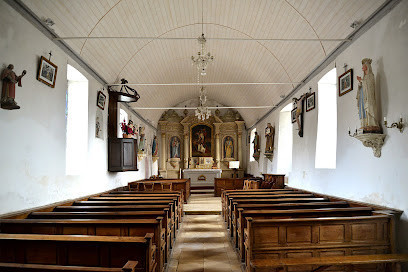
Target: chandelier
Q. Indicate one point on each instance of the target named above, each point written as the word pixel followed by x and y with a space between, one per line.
pixel 203 59
pixel 202 112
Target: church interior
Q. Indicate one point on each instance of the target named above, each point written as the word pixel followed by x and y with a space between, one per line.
pixel 204 135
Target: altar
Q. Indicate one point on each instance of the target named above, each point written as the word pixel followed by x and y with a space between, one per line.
pixel 202 177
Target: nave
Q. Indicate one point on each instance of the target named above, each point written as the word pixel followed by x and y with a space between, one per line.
pixel 202 243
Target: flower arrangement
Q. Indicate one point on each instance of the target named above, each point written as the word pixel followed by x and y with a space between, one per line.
pixel 128 129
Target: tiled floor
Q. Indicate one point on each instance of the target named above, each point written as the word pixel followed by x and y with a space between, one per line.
pixel 204 203
pixel 202 243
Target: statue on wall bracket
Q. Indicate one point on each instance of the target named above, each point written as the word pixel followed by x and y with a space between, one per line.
pixel 366 101
pixel 270 139
pixel 8 90
pixel 370 132
pixel 257 149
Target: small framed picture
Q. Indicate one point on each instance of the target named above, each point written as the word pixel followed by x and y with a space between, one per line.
pixel 47 72
pixel 346 82
pixel 293 115
pixel 310 102
pixel 100 101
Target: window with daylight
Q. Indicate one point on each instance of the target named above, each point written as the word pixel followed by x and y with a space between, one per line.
pixel 251 149
pixel 285 140
pixel 123 118
pixel 77 122
pixel 326 140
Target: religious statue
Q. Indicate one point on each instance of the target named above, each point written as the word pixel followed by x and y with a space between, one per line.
pixel 299 111
pixel 8 93
pixel 228 147
pixel 175 147
pixel 366 102
pixel 270 138
pixel 155 147
pixel 142 139
pixel 256 145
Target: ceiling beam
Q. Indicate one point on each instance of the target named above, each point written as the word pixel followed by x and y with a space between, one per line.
pixel 366 25
pixel 192 38
pixel 211 108
pixel 31 17
pixel 204 84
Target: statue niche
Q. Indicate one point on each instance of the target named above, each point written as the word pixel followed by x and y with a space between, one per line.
pixel 201 144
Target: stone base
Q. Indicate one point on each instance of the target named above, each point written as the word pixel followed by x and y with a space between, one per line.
pixel 373 140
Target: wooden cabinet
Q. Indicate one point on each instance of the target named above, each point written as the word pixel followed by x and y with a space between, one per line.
pixel 122 155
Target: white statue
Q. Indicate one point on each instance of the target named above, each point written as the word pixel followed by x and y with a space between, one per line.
pixel 366 102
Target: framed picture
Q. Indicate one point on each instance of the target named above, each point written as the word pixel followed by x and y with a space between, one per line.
pixel 346 82
pixel 310 102
pixel 47 72
pixel 293 115
pixel 100 101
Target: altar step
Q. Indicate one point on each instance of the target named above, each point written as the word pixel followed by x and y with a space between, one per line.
pixel 202 189
pixel 211 192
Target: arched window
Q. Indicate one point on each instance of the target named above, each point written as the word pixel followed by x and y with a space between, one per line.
pixel 251 149
pixel 285 140
pixel 77 122
pixel 326 140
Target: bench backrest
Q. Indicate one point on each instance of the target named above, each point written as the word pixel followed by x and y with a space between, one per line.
pixel 97 251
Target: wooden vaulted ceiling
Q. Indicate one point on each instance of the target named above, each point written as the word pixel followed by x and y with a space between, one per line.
pixel 169 60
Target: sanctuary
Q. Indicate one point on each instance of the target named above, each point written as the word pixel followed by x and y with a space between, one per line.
pixel 193 144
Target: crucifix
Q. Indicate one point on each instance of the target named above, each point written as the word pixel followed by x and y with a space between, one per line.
pixel 299 111
pixel 50 55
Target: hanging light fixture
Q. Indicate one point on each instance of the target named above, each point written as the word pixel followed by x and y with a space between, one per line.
pixel 202 112
pixel 203 59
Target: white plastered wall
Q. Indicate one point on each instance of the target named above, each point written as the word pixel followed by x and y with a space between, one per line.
pixel 359 175
pixel 32 139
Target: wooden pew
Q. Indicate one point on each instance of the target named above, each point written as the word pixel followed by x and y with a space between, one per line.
pixel 323 263
pixel 178 204
pixel 226 193
pixel 151 193
pixel 172 210
pixel 279 206
pixel 260 197
pixel 130 266
pixel 317 237
pixel 166 223
pixel 297 213
pixel 78 250
pixel 181 185
pixel 178 209
pixel 100 227
pixel 234 204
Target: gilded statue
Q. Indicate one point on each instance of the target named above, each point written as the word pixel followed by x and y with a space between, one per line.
pixel 366 101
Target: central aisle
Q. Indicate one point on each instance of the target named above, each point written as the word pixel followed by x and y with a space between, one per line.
pixel 202 243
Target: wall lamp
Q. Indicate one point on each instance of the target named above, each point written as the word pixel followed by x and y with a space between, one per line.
pixel 399 125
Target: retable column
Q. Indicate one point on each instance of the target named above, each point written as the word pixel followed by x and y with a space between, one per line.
pixel 163 151
pixel 217 145
pixel 240 125
pixel 186 147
